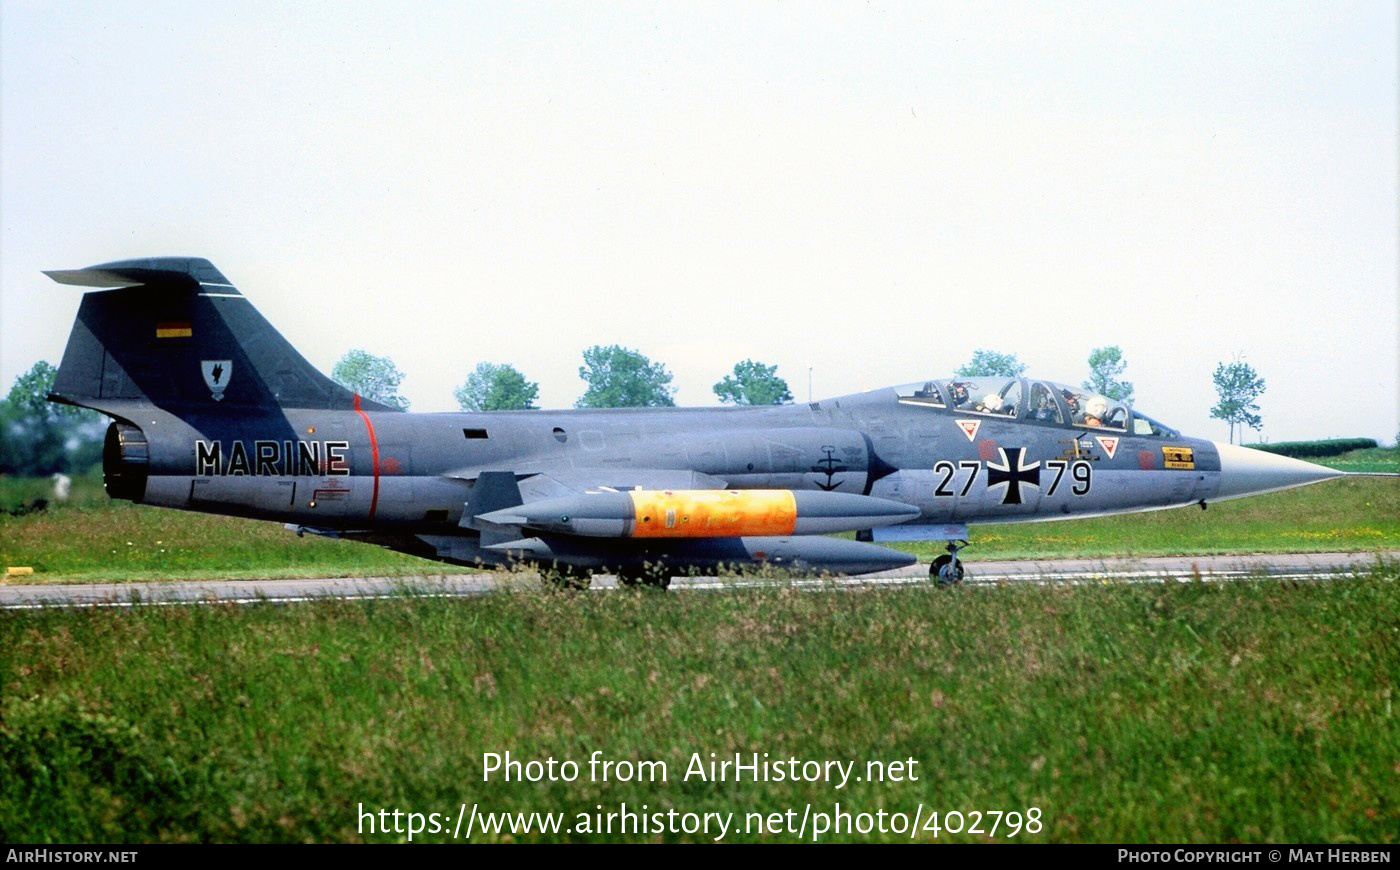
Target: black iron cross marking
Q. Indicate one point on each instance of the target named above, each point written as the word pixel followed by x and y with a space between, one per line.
pixel 1013 473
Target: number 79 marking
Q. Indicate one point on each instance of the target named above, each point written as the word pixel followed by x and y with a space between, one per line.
pixel 1080 471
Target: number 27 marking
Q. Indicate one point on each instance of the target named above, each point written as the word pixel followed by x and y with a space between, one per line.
pixel 948 470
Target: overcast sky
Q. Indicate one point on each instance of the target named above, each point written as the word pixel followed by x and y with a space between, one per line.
pixel 864 191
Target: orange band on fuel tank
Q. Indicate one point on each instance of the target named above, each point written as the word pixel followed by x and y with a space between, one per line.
pixel 707 513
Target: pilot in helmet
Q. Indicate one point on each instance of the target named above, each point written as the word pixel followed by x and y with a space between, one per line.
pixel 1094 411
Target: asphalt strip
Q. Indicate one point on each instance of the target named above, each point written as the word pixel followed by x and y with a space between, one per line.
pixel 1281 566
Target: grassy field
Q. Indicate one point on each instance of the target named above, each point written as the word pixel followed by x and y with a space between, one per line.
pixel 1376 459
pixel 95 539
pixel 1241 712
pixel 1251 711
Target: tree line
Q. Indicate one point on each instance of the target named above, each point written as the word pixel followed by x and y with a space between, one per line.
pixel 1237 384
pixel 38 437
pixel 616 377
pixel 619 377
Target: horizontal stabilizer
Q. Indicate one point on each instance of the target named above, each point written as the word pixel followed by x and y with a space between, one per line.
pixel 165 271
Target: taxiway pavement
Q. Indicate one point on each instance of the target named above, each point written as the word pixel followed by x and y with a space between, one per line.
pixel 1281 566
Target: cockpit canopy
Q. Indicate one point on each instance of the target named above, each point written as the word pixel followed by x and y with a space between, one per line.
pixel 1030 400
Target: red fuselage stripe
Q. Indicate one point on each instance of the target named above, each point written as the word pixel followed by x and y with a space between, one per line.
pixel 374 456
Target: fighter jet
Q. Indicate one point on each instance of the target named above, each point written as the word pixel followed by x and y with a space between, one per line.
pixel 213 410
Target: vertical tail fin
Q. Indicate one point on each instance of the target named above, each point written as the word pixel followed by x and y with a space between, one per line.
pixel 173 332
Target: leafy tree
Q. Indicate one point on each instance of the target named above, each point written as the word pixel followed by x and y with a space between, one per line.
pixel 29 446
pixel 29 394
pixel 497 387
pixel 618 377
pixel 374 377
pixel 39 437
pixel 989 363
pixel 1239 385
pixel 1105 365
pixel 753 383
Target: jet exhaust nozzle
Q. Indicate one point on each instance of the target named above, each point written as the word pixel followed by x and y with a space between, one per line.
pixel 126 462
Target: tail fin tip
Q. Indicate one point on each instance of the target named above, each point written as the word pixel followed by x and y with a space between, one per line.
pixel 180 271
pixel 174 333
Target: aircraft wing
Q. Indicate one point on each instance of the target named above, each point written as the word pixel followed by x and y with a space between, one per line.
pixel 556 484
pixel 629 517
pixel 662 503
pixel 496 491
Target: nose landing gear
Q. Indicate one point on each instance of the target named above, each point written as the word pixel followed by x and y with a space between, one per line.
pixel 947 570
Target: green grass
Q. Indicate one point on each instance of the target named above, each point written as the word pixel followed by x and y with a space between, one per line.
pixel 1376 459
pixel 1249 711
pixel 1151 713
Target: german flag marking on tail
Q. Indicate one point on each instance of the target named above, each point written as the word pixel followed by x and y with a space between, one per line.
pixel 174 330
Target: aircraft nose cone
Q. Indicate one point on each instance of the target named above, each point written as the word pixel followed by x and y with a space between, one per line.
pixel 1248 472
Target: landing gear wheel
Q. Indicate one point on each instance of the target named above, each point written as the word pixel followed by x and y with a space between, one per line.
pixel 569 578
pixel 943 573
pixel 947 570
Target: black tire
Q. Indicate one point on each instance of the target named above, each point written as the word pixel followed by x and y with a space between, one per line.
pixel 935 571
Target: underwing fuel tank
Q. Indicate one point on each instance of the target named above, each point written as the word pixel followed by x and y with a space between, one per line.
pixel 704 513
